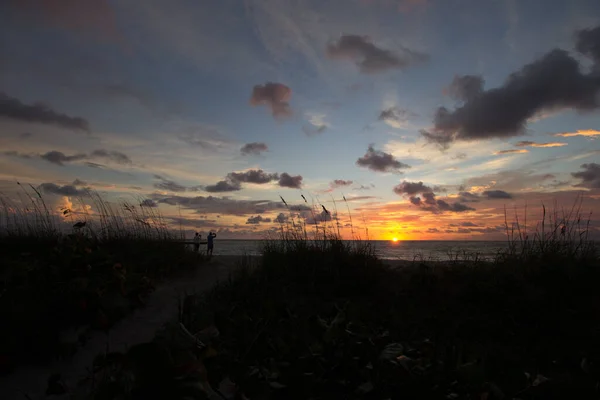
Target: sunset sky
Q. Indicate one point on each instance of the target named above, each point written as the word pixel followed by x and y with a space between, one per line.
pixel 429 116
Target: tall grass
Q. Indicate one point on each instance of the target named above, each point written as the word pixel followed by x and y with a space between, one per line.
pixel 31 217
pixel 561 235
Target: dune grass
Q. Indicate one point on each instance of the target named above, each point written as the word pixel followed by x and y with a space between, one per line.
pixel 81 269
pixel 320 318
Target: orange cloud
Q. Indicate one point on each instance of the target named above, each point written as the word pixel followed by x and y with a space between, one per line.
pixel 512 151
pixel 527 143
pixel 579 132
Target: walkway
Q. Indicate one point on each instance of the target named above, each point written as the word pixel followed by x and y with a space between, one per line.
pixel 141 326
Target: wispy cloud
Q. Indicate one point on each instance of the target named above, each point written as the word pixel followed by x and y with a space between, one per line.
pixel 511 151
pixel 370 58
pixel 579 132
pixel 13 108
pixel 527 143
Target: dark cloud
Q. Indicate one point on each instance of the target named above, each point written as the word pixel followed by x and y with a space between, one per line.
pixel 148 203
pixel 396 116
pixel 455 207
pixel 257 176
pixel 257 220
pixel 311 218
pixel 340 183
pixel 79 182
pixel 590 176
pixel 364 187
pixel 115 156
pixel 465 87
pixel 219 205
pixel 286 180
pixel 25 135
pixel 377 160
pixel 468 197
pixel 427 199
pixel 168 185
pixel 224 186
pixel 13 108
pixel 254 148
pixel 59 158
pixel 496 194
pixel 372 59
pixel 411 188
pixel 553 82
pixel 275 96
pixel 66 190
pixel 281 218
pixel 588 43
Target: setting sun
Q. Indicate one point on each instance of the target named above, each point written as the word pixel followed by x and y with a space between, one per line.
pixel 394 239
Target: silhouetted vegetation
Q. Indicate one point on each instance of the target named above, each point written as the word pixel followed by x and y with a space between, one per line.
pixel 321 318
pixel 82 270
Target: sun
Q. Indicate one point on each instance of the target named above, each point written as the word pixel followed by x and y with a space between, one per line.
pixel 394 239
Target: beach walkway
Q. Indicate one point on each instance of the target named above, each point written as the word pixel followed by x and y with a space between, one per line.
pixel 30 382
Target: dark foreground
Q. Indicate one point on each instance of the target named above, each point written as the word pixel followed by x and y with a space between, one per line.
pixel 333 322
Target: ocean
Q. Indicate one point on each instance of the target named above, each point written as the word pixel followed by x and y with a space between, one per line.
pixel 388 250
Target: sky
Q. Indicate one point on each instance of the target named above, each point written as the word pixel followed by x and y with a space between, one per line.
pixel 419 119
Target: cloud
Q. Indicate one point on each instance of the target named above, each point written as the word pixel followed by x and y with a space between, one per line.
pixel 411 188
pixel 168 185
pixel 205 137
pixel 579 132
pixel 59 158
pixel 465 87
pixel 372 59
pixel 427 200
pixel 254 148
pixel 337 183
pixel 314 130
pixel 311 219
pixel 78 182
pixel 275 96
pixel 468 197
pixel 281 218
pixel 496 194
pixel 219 205
pixel 286 180
pixel 257 220
pixel 511 151
pixel 318 124
pixel 13 108
pixel 377 160
pixel 115 156
pixel 66 190
pixel 590 176
pixel 257 176
pixel 527 143
pixel 396 117
pixel 551 83
pixel 95 17
pixel 148 203
pixel 223 186
pixel 588 43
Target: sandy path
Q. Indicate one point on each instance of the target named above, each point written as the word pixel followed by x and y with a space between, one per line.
pixel 140 327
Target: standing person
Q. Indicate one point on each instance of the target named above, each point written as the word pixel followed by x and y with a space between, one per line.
pixel 209 243
pixel 197 242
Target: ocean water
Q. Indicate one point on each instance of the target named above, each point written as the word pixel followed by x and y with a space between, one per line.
pixel 401 250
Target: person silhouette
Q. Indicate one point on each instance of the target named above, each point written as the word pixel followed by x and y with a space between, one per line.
pixel 197 242
pixel 210 243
